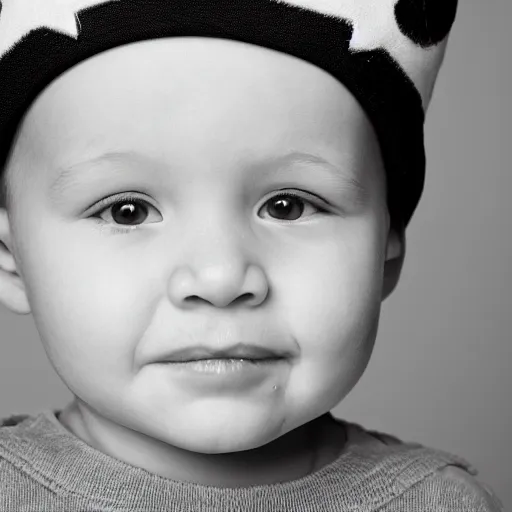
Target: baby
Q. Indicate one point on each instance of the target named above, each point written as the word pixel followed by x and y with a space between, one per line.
pixel 204 207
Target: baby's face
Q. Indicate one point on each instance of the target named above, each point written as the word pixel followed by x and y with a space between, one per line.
pixel 209 138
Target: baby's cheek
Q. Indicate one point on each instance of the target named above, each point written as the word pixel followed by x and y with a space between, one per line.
pixel 333 317
pixel 90 312
pixel 334 307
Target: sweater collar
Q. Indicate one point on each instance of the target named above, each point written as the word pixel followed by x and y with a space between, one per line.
pixel 74 467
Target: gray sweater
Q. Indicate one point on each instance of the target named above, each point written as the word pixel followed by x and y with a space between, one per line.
pixel 44 467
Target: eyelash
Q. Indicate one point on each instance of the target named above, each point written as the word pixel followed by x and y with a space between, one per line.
pixel 129 198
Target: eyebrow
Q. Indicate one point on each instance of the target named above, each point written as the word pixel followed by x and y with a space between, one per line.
pixel 72 174
pixel 340 178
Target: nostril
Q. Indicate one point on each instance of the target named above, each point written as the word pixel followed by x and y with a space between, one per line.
pixel 192 298
pixel 245 296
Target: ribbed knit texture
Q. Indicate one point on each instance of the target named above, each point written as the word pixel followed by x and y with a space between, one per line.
pixel 44 467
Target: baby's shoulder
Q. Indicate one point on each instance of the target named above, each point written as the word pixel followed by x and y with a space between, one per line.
pixel 466 485
pixel 450 488
pixel 422 478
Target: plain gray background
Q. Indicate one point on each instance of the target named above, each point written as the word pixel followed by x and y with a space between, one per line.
pixel 440 371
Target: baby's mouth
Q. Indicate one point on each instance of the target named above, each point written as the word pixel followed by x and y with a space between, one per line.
pixel 239 352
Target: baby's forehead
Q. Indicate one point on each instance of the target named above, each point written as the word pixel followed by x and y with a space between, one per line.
pixel 247 119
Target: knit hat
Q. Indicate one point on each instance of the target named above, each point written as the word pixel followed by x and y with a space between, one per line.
pixel 386 52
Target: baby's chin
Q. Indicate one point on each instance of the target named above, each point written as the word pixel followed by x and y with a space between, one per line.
pixel 222 429
pixel 206 430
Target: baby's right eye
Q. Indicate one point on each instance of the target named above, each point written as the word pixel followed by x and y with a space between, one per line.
pixel 127 210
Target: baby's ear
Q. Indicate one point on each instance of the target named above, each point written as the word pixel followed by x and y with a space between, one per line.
pixel 395 254
pixel 12 288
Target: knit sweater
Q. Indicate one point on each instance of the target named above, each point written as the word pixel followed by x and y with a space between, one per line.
pixel 44 467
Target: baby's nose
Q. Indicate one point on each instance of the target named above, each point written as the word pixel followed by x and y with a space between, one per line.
pixel 220 274
pixel 222 288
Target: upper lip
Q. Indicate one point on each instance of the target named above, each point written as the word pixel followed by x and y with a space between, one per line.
pixel 238 351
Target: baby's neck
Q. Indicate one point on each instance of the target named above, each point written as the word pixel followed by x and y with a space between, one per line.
pixel 291 457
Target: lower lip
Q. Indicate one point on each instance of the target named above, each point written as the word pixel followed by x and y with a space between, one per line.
pixel 227 373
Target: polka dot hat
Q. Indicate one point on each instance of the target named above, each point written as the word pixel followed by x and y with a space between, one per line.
pixel 386 52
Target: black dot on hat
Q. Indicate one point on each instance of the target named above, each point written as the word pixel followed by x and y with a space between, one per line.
pixel 426 22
